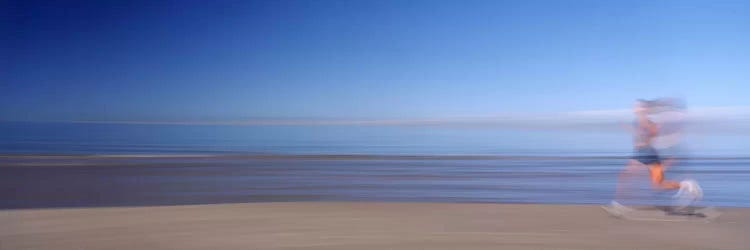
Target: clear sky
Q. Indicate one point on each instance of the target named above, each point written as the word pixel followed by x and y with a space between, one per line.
pixel 235 60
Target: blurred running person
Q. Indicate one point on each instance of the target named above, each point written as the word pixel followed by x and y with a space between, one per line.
pixel 645 156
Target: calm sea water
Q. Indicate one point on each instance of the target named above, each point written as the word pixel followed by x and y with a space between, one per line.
pixel 72 138
pixel 581 178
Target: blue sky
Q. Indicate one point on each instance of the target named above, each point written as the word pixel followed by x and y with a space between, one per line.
pixel 236 60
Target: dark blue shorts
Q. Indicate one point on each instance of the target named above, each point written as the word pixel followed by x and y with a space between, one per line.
pixel 646 156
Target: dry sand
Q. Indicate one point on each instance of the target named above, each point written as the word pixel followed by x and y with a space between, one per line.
pixel 299 225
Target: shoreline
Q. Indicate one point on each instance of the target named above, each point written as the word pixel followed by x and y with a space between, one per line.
pixel 353 225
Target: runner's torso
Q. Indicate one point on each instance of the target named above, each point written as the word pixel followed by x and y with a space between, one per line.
pixel 644 133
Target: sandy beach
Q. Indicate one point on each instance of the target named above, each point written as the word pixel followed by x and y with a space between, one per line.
pixel 342 225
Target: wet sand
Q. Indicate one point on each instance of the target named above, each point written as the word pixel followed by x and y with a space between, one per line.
pixel 342 225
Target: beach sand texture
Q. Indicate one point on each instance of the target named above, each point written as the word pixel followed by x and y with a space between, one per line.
pixel 366 225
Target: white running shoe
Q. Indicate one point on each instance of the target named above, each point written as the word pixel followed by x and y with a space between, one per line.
pixel 690 187
pixel 616 206
pixel 689 192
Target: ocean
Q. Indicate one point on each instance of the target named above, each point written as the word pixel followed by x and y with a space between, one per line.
pixel 86 164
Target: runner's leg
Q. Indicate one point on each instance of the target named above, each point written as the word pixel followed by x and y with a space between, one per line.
pixel 625 177
pixel 657 178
